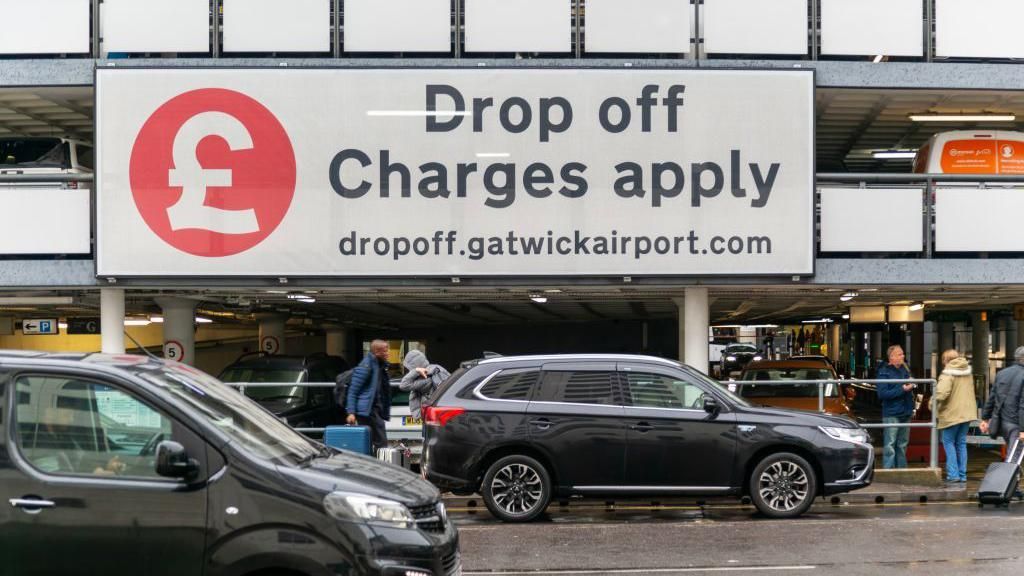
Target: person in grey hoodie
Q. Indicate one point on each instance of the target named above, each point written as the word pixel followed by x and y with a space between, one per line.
pixel 421 379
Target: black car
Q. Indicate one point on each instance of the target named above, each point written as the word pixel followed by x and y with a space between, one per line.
pixel 300 406
pixel 520 430
pixel 128 465
pixel 736 356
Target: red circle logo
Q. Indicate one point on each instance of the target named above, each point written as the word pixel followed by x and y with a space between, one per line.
pixel 212 172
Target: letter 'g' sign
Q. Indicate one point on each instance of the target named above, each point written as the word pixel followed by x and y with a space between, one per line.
pixel 212 172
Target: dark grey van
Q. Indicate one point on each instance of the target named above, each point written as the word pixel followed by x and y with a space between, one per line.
pixel 127 465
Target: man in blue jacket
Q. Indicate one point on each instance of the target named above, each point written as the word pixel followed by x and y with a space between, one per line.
pixel 369 394
pixel 897 408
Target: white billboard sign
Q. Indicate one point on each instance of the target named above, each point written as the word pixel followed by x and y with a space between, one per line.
pixel 454 172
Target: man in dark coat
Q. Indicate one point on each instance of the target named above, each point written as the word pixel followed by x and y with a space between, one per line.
pixel 897 408
pixel 1005 403
pixel 369 394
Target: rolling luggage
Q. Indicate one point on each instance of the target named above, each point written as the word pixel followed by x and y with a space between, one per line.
pixel 394 455
pixel 351 438
pixel 1001 479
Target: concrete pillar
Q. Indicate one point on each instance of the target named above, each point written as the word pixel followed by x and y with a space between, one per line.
pixel 947 339
pixel 1012 327
pixel 272 333
pixel 179 329
pixel 337 341
pixel 112 320
pixel 877 349
pixel 979 345
pixel 694 323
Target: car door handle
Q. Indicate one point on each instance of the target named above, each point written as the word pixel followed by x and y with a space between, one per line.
pixel 31 505
pixel 542 423
pixel 642 427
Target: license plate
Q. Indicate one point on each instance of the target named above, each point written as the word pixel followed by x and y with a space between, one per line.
pixel 410 421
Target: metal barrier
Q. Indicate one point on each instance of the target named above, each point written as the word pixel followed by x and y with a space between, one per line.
pixel 933 454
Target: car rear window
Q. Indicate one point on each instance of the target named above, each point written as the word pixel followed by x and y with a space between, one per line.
pixel 787 390
pixel 31 153
pixel 511 385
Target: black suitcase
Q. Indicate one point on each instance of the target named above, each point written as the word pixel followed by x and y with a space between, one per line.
pixel 1001 479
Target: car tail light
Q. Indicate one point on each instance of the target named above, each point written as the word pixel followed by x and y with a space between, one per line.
pixel 440 415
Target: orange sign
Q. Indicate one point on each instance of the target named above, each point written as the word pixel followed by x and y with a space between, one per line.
pixel 983 157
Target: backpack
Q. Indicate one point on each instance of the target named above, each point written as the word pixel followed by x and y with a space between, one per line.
pixel 341 389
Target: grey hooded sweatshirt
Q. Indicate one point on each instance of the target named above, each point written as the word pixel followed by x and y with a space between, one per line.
pixel 420 388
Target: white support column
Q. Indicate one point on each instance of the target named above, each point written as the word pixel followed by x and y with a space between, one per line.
pixel 272 333
pixel 694 323
pixel 179 329
pixel 112 320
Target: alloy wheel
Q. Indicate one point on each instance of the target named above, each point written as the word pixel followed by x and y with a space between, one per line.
pixel 783 486
pixel 517 489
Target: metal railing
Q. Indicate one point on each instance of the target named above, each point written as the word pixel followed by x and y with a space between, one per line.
pixel 933 453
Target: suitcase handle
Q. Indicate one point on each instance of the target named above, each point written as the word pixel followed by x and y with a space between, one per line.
pixel 1015 456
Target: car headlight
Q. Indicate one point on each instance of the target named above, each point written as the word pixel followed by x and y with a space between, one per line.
pixel 756 358
pixel 855 435
pixel 351 507
pixel 730 358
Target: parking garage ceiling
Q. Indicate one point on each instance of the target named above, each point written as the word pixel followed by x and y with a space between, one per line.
pixel 404 309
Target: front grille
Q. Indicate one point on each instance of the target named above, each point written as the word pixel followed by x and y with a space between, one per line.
pixel 428 517
pixel 450 564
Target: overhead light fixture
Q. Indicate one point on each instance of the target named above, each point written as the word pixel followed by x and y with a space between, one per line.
pixel 963 117
pixel 847 296
pixel 878 59
pixel 916 306
pixel 201 320
pixel 846 316
pixel 538 298
pixel 36 300
pixel 819 321
pixel 156 319
pixel 136 322
pixel 894 154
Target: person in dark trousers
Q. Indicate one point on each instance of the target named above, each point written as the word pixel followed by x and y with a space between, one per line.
pixel 1004 410
pixel 369 394
pixel 897 408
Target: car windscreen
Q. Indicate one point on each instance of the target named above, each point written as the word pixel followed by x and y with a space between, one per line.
pixel 740 348
pixel 786 390
pixel 258 374
pixel 32 153
pixel 244 421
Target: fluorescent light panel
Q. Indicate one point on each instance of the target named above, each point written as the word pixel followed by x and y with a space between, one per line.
pixel 895 154
pixel 963 117
pixel 35 300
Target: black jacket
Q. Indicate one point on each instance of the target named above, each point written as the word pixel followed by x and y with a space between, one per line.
pixel 1006 393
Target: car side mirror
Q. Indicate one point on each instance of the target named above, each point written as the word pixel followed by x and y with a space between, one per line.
pixel 711 405
pixel 173 462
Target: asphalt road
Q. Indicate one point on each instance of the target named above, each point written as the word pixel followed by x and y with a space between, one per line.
pixel 953 538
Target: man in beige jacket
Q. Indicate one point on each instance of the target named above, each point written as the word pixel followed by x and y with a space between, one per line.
pixel 954 400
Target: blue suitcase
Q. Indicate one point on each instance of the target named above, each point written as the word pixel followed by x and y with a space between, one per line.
pixel 351 438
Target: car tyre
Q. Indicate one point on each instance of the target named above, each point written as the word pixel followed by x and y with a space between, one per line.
pixel 783 485
pixel 516 488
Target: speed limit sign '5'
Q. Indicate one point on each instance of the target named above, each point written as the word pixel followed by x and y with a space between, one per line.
pixel 173 350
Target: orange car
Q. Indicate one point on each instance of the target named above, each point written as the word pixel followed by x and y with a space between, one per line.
pixel 796 396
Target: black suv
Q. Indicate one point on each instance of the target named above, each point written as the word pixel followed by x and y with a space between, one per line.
pixel 736 356
pixel 521 429
pixel 300 406
pixel 128 465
